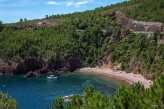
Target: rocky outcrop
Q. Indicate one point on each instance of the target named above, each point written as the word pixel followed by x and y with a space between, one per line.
pixel 31 64
pixel 73 63
pixel 6 68
pixel 160 41
pixel 136 25
pixel 33 73
pixel 63 69
pixel 45 24
pixel 37 66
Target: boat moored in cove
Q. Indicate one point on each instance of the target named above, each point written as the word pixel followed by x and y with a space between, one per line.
pixel 51 77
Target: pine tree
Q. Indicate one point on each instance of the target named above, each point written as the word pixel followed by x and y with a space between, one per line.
pixel 21 20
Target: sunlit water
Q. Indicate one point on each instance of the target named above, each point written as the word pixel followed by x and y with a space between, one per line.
pixel 39 93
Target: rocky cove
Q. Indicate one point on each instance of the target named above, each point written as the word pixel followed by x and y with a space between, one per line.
pixel 35 66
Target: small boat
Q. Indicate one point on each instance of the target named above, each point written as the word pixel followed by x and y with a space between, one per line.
pixel 51 77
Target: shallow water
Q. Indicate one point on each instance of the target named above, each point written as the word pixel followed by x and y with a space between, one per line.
pixel 39 93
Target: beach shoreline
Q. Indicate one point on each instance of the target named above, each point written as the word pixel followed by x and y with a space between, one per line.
pixel 129 78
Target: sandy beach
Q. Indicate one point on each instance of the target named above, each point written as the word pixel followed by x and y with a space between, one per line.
pixel 119 75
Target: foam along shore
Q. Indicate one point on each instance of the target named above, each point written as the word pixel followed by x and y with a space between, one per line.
pixel 120 75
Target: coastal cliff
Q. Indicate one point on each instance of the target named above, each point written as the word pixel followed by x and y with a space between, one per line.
pixel 37 66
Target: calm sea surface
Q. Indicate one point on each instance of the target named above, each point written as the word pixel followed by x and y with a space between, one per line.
pixel 39 93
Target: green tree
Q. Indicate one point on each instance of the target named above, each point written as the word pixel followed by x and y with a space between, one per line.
pixel 7 102
pixel 21 20
pixel 46 16
pixel 58 103
pixel 25 19
pixel 1 22
pixel 1 25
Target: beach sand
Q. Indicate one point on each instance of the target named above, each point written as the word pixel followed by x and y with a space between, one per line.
pixel 119 75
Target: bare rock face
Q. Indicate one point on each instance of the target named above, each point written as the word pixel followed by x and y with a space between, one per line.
pixel 160 41
pixel 2 66
pixel 45 24
pixel 31 64
pixel 136 25
pixel 33 74
pixel 73 63
pixel 70 64
pixel 36 66
pixel 5 68
pixel 2 63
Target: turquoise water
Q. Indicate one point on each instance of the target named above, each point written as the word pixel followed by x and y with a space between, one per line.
pixel 39 93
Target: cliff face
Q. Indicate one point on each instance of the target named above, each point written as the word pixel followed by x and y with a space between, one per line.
pixel 37 66
pixel 31 64
pixel 73 63
pixel 6 68
pixel 136 25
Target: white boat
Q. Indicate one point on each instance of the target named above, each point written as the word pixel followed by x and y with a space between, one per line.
pixel 51 77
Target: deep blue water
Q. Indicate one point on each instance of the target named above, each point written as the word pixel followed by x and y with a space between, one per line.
pixel 39 93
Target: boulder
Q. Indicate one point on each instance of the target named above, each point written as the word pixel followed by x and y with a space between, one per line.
pixel 33 74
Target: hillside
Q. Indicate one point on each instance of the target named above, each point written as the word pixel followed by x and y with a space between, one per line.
pixel 141 10
pixel 127 36
pixel 147 10
pixel 91 37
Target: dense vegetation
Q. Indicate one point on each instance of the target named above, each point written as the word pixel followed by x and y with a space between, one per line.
pixel 84 36
pixel 147 10
pixel 139 54
pixel 87 35
pixel 7 103
pixel 134 97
